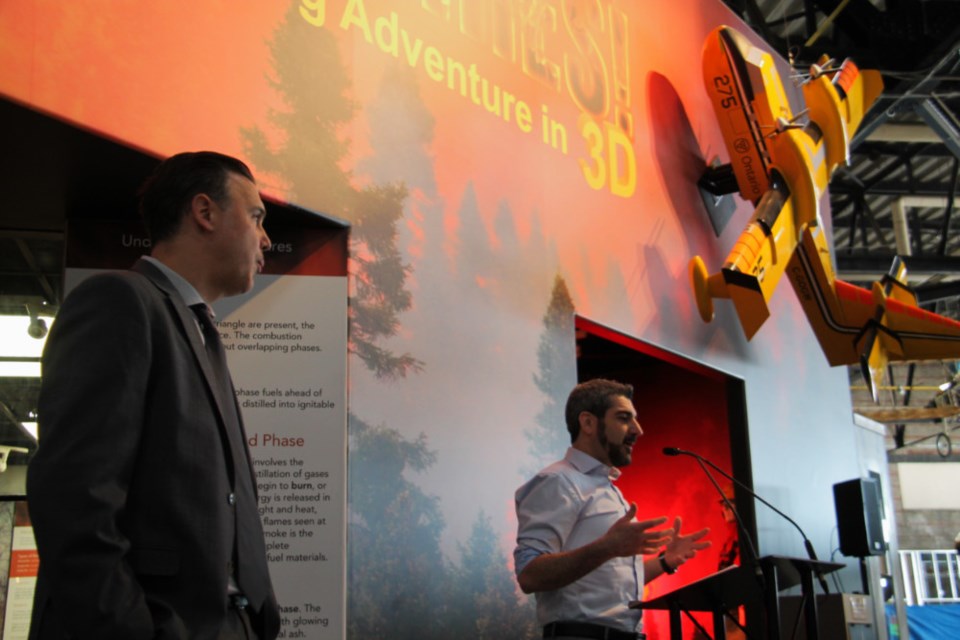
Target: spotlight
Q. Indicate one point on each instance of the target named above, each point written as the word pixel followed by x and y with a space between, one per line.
pixel 38 326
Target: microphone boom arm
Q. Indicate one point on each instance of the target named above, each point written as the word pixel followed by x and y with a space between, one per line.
pixel 811 552
pixel 736 514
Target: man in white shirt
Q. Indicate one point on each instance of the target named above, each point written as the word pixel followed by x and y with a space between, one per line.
pixel 579 547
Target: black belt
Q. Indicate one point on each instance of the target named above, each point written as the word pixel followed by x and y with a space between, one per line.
pixel 588 630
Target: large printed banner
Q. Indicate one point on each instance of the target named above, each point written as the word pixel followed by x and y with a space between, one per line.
pixel 286 344
pixel 504 165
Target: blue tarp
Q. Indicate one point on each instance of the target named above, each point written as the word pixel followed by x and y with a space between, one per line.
pixel 931 622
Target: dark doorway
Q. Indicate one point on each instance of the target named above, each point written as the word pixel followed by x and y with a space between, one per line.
pixel 686 405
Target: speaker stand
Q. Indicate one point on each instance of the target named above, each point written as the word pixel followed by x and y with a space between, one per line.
pixel 863 576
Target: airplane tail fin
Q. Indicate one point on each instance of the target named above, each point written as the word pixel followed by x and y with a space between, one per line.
pixel 878 342
pixel 894 283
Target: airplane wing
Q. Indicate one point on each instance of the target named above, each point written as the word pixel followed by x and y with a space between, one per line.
pixel 869 328
pixel 756 263
pixel 736 74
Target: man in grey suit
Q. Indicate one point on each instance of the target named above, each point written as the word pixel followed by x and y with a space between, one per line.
pixel 142 493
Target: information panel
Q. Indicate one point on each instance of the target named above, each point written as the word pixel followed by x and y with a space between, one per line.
pixel 286 344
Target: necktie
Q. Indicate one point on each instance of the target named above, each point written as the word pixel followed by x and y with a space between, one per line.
pixel 250 553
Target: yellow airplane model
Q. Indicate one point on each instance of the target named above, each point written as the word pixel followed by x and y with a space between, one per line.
pixel 782 162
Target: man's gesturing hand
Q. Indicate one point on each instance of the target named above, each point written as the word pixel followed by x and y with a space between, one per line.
pixel 683 547
pixel 629 537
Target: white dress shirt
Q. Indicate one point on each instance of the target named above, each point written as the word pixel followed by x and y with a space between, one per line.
pixel 568 505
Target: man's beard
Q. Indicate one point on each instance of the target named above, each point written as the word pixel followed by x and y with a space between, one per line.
pixel 618 456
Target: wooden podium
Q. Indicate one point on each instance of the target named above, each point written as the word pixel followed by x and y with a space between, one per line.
pixel 738 585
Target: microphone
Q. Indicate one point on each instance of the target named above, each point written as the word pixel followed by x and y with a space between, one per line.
pixel 811 552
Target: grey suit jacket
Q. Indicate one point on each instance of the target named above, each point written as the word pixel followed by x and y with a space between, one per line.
pixel 128 491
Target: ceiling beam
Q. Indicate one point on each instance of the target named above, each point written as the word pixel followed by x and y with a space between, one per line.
pixel 945 231
pixel 35 271
pixel 901 132
pixel 942 121
pixel 929 294
pixel 859 265
pixel 892 188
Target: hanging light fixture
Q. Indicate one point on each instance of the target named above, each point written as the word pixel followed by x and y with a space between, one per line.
pixel 38 326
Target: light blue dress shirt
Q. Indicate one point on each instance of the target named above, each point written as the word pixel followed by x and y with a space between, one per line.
pixel 568 505
pixel 185 289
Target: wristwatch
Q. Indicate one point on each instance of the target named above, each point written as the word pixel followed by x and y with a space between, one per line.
pixel 663 564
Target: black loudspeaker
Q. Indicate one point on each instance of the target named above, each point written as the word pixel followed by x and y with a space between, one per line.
pixel 859 506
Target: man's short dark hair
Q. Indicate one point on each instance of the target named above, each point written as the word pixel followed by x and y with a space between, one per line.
pixel 166 195
pixel 594 396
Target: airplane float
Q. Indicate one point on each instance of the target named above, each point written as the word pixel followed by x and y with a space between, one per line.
pixel 782 162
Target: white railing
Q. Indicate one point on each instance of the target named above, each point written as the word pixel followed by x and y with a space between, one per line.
pixel 931 576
